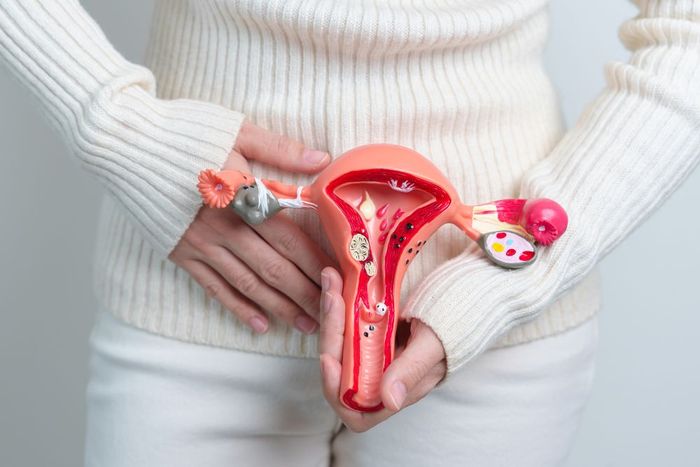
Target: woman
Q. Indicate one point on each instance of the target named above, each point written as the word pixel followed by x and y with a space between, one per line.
pixel 462 83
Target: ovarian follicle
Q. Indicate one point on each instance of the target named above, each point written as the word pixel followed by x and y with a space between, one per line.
pixel 367 207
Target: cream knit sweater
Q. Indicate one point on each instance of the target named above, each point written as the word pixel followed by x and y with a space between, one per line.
pixel 460 81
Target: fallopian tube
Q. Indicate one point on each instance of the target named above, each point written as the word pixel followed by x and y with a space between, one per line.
pixel 378 205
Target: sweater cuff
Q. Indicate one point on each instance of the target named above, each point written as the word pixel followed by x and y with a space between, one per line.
pixel 148 153
pixel 469 302
pixel 458 301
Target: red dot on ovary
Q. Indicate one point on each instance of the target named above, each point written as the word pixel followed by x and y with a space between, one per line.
pixel 501 235
pixel 527 255
pixel 510 252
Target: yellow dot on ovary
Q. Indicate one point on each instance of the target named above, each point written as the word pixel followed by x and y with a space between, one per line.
pixel 497 247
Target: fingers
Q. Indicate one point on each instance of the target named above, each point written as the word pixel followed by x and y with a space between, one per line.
pixel 236 161
pixel 268 265
pixel 278 150
pixel 250 285
pixel 275 270
pixel 409 378
pixel 211 238
pixel 294 244
pixel 427 384
pixel 217 288
pixel 331 353
pixel 331 372
pixel 332 315
pixel 330 344
pixel 409 371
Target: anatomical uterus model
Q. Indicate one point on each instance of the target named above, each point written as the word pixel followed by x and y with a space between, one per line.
pixel 378 205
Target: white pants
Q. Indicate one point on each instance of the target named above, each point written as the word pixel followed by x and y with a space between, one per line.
pixel 155 402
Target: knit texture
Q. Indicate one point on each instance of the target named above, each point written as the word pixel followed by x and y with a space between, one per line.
pixel 459 81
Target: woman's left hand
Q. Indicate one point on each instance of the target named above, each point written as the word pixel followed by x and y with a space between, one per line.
pixel 419 364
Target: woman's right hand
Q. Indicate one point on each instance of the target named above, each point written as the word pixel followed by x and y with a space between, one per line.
pixel 273 267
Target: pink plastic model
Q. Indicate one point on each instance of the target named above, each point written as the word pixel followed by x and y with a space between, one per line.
pixel 378 205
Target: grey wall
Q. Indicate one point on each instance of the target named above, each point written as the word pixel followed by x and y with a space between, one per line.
pixel 48 208
pixel 643 411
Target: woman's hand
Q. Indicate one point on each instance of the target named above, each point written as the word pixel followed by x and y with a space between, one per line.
pixel 273 267
pixel 418 367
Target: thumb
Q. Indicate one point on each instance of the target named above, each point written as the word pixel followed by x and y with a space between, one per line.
pixel 419 358
pixel 270 148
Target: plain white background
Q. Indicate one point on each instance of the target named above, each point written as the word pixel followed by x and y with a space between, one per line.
pixel 644 410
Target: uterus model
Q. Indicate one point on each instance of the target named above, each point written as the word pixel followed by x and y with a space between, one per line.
pixel 378 205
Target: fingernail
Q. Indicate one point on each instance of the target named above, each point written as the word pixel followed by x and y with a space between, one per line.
pixel 258 324
pixel 325 281
pixel 398 394
pixel 305 324
pixel 327 302
pixel 315 157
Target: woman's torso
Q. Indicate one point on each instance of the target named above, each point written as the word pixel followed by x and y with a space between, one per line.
pixel 462 82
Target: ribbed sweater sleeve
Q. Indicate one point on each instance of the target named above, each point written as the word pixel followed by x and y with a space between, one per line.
pixel 146 151
pixel 627 153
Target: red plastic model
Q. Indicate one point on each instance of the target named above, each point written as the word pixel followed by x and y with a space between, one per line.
pixel 378 205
